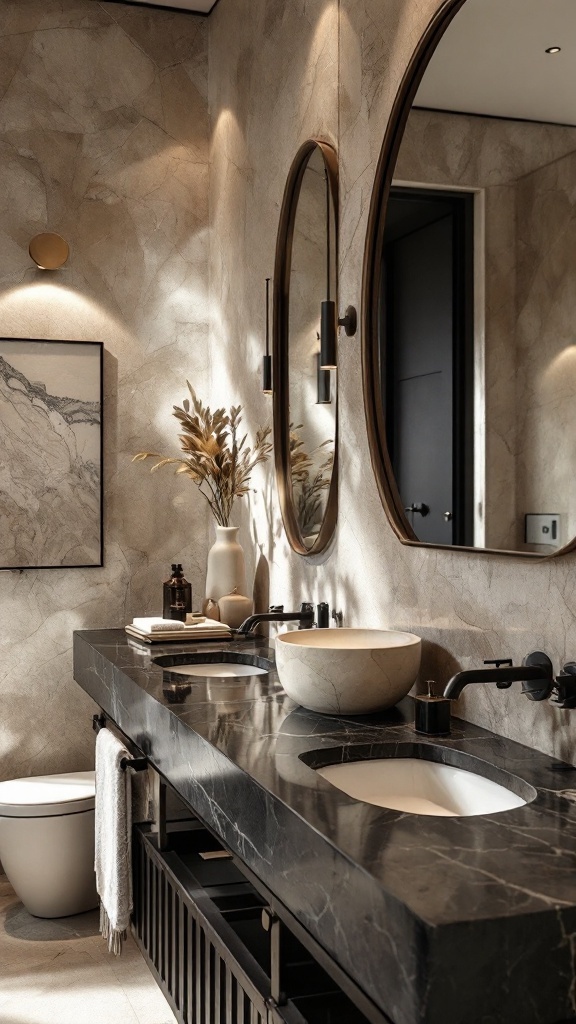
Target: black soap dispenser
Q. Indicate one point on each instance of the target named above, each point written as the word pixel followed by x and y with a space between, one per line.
pixel 432 713
pixel 177 595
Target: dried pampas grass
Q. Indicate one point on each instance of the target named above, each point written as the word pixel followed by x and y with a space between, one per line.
pixel 214 458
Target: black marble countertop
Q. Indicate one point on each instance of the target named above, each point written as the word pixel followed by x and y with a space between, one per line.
pixel 464 920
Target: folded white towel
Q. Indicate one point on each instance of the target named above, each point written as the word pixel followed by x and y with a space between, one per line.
pixel 113 851
pixel 157 625
pixel 206 626
pixel 148 626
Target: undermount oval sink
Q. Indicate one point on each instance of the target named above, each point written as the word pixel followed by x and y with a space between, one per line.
pixel 419 786
pixel 347 671
pixel 215 665
pixel 206 670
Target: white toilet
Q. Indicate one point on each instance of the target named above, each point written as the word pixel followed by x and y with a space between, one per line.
pixel 47 842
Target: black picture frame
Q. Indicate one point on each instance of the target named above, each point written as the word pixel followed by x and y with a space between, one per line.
pixel 51 419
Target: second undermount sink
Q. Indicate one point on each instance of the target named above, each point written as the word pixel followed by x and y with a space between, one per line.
pixel 417 785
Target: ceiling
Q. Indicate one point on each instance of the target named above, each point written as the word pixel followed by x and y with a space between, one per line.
pixel 492 61
pixel 195 6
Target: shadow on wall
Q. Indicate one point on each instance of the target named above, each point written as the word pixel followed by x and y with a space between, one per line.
pixel 261 589
pixel 438 665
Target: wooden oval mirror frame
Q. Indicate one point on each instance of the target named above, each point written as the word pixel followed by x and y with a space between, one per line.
pixel 280 351
pixel 373 404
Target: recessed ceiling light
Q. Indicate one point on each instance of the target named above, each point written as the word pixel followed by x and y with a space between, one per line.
pixel 553 49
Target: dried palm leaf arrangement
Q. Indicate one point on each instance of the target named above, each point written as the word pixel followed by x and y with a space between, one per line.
pixel 214 458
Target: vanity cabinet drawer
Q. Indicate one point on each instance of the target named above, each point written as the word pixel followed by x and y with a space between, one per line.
pixel 199 924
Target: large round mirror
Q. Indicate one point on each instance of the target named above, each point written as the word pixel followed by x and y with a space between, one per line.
pixel 305 388
pixel 469 357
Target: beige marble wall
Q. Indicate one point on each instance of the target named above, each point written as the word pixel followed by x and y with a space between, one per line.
pixel 273 84
pixel 103 135
pixel 546 340
pixel 291 70
pixel 104 138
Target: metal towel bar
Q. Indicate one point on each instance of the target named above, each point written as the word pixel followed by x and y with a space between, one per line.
pixel 137 764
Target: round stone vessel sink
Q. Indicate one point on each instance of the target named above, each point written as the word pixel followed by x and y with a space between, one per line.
pixel 421 787
pixel 347 671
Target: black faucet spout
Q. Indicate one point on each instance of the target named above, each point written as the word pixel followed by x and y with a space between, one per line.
pixel 305 618
pixel 536 676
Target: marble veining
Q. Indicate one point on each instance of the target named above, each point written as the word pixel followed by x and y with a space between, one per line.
pixel 103 138
pixel 294 70
pixel 50 467
pixel 419 911
pixel 119 164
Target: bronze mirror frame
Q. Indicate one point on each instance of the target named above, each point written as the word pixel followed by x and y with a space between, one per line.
pixel 280 351
pixel 373 404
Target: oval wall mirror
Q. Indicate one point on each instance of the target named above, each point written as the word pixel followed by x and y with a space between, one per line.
pixel 305 391
pixel 469 351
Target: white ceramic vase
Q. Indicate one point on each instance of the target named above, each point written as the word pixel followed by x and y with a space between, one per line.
pixel 226 572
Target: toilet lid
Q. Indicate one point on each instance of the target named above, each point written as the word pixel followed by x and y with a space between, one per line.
pixel 45 795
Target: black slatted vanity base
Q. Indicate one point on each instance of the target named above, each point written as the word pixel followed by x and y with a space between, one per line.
pixel 198 923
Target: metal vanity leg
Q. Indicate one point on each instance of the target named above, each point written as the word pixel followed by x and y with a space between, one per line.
pixel 272 924
pixel 161 795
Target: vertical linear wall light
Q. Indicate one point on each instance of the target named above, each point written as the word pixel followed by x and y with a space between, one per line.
pixel 267 361
pixel 329 320
pixel 328 317
pixel 324 396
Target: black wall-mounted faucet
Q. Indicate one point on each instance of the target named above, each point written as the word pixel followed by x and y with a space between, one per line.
pixel 535 674
pixel 565 687
pixel 305 618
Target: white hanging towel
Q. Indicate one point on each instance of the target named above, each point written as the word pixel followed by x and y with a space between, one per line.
pixel 113 848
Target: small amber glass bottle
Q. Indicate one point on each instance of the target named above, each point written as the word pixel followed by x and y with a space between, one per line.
pixel 177 595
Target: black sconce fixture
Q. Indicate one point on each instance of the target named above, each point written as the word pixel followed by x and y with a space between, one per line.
pixel 267 361
pixel 323 389
pixel 329 324
pixel 329 321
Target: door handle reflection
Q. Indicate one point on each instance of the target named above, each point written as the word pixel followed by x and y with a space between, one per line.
pixel 421 508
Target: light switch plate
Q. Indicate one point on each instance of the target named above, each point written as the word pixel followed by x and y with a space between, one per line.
pixel 543 528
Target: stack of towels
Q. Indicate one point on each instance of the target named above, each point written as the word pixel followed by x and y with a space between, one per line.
pixel 157 629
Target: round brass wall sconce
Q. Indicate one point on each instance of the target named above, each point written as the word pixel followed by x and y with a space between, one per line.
pixel 49 250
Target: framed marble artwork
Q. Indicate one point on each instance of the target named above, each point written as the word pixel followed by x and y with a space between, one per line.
pixel 51 496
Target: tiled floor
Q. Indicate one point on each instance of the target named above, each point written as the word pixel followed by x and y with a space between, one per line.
pixel 59 972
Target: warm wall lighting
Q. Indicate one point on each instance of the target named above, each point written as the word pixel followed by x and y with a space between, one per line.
pixel 323 390
pixel 49 250
pixel 267 361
